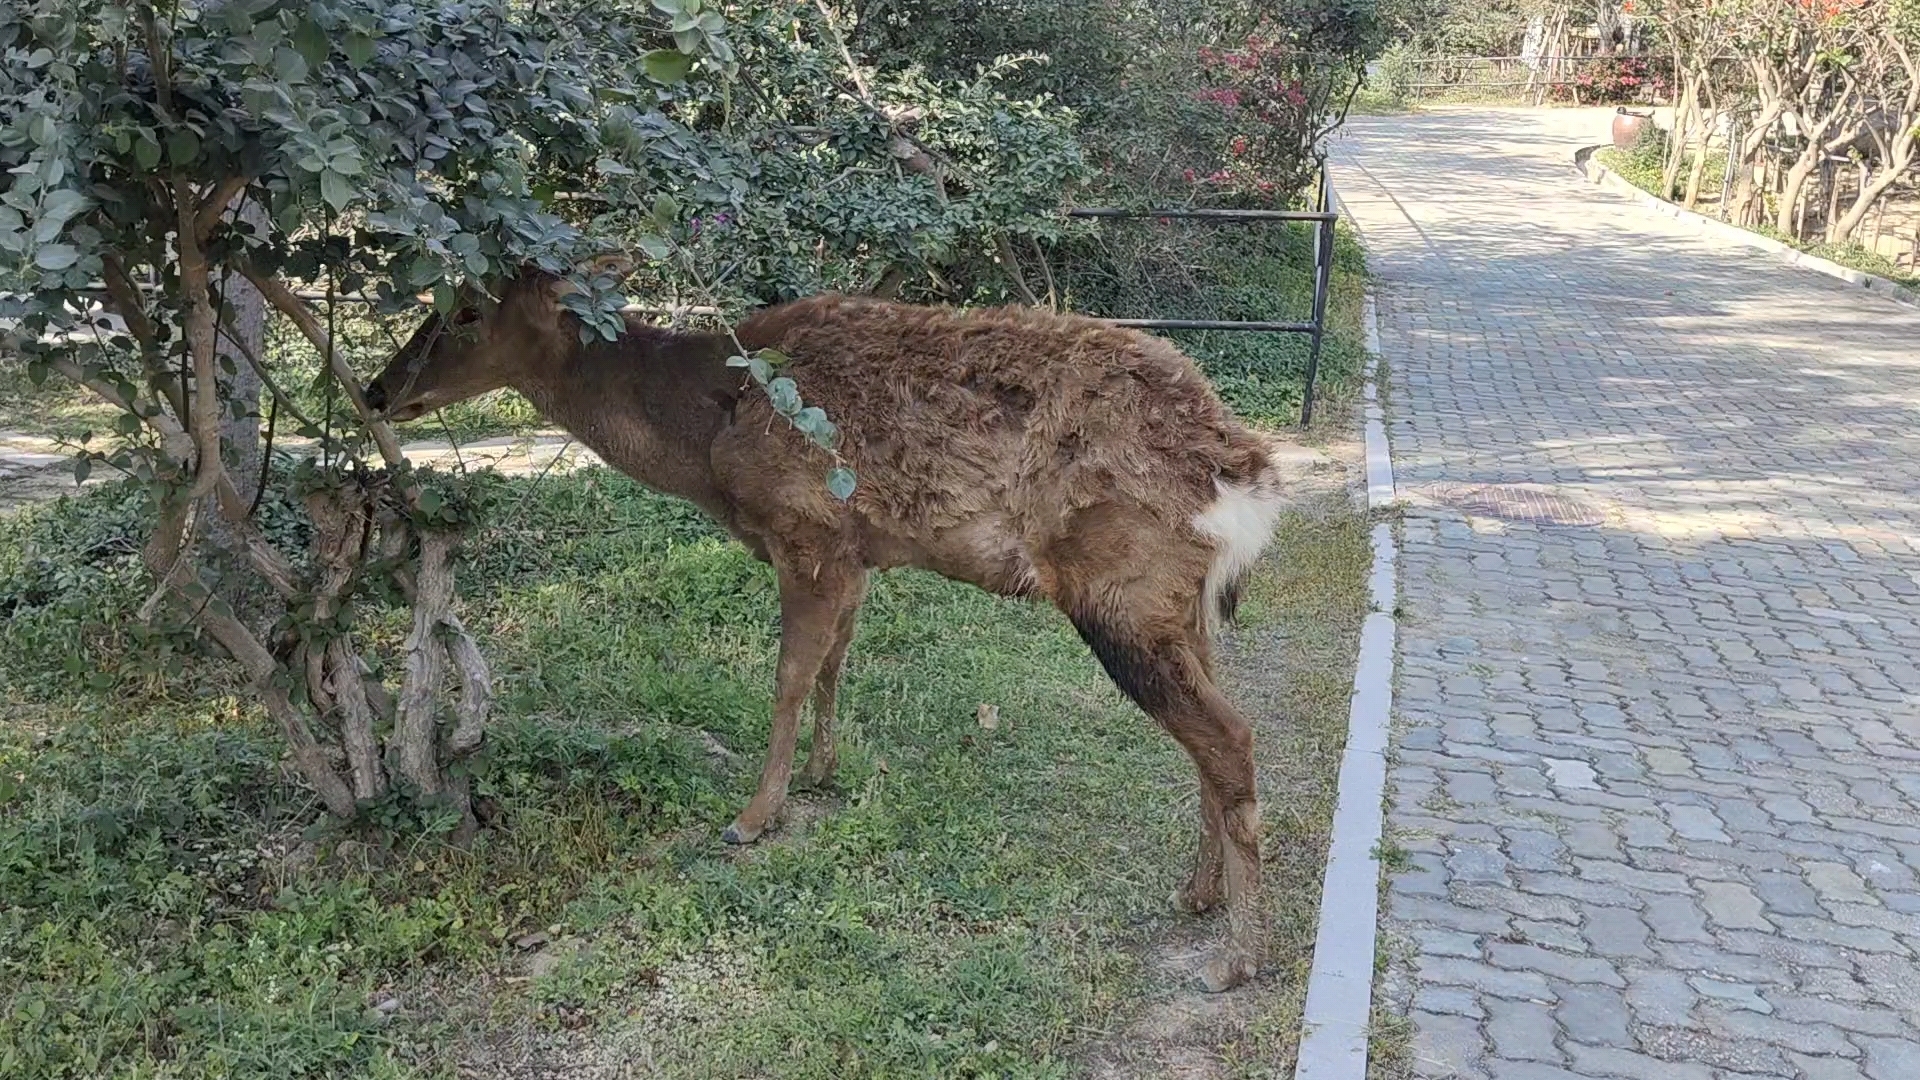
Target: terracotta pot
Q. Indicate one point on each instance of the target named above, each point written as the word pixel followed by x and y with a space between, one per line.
pixel 1627 127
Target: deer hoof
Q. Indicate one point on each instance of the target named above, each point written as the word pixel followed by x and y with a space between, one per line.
pixel 818 776
pixel 1194 898
pixel 739 834
pixel 1227 970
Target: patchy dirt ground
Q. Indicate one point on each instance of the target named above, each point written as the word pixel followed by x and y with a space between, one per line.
pixel 34 468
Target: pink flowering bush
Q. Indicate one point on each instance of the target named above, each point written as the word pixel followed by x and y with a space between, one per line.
pixel 1614 80
pixel 1266 103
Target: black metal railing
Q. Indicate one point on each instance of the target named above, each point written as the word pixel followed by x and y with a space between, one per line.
pixel 1322 217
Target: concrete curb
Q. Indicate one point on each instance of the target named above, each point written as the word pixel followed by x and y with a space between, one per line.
pixel 1599 175
pixel 1339 1010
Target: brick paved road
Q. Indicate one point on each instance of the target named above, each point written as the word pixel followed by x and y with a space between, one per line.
pixel 1660 778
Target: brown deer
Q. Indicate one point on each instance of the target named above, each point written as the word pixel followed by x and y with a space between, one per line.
pixel 1027 452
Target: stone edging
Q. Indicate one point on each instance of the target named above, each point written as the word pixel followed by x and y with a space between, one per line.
pixel 1335 1023
pixel 1601 176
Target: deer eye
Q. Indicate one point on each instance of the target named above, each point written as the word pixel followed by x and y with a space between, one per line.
pixel 466 317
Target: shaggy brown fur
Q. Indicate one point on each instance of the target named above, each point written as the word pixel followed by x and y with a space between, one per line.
pixel 1026 452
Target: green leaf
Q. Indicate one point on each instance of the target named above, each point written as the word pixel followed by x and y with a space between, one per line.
pixel 444 298
pixel 667 66
pixel 336 189
pixel 810 418
pixel 841 482
pixel 665 211
pixel 289 65
pixel 654 247
pixel 359 48
pixel 773 356
pixel 311 42
pixel 785 395
pixel 183 146
pixel 56 257
pixel 47 229
pixel 146 152
pixel 737 361
pixel 113 22
pixel 82 468
pixel 760 369
pixel 62 204
pixel 430 503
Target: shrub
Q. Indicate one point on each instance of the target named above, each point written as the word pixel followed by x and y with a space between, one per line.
pixel 1613 80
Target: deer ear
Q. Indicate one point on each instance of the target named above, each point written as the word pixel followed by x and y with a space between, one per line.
pixel 613 264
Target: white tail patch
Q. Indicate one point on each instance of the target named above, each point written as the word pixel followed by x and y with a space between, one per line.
pixel 1240 522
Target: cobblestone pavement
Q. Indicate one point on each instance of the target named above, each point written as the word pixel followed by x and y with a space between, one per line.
pixel 1657 777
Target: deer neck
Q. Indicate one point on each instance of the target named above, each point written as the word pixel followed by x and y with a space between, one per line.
pixel 649 403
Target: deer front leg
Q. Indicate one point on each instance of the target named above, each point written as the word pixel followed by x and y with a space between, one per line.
pixel 809 606
pixel 824 756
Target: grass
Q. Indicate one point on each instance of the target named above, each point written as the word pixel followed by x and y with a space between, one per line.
pixel 964 902
pixel 967 902
pixel 1641 167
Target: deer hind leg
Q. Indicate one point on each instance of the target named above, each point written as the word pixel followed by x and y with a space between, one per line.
pixel 812 603
pixel 1203 889
pixel 824 757
pixel 1161 664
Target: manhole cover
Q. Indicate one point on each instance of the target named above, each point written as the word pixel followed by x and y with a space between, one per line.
pixel 1509 503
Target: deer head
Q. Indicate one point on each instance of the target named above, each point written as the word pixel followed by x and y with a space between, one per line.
pixel 487 342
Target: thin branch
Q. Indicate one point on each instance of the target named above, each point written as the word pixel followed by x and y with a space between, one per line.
pixel 1014 273
pixel 284 301
pixel 264 670
pixel 167 551
pixel 199 319
pixel 280 397
pixel 1046 271
pixel 215 204
pixel 174 438
pixel 266 559
pixel 124 296
pixel 846 54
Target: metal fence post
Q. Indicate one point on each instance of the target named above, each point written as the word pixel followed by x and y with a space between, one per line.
pixel 1322 219
pixel 1322 283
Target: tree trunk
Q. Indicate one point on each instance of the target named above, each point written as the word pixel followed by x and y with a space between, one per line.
pixel 1683 114
pixel 1899 155
pixel 1744 209
pixel 1870 193
pixel 240 432
pixel 1706 116
pixel 1832 178
pixel 1787 213
pixel 239 393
